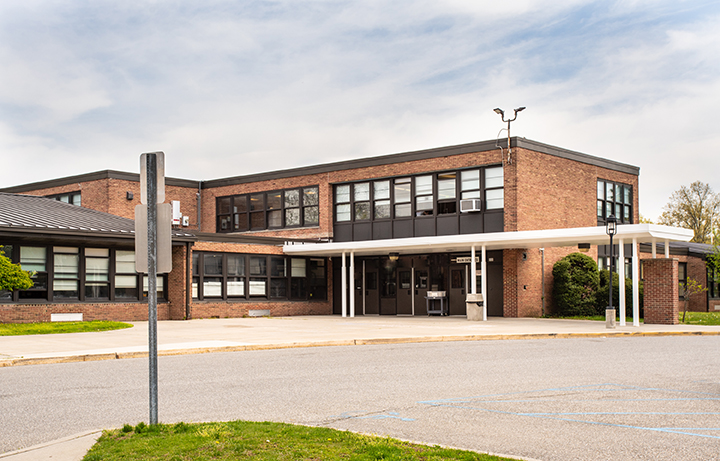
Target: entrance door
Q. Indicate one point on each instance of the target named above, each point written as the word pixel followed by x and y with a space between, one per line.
pixel 456 295
pixel 404 293
pixel 495 289
pixel 388 286
pixel 372 296
pixel 421 284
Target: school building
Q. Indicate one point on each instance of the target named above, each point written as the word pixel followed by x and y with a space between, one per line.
pixel 413 233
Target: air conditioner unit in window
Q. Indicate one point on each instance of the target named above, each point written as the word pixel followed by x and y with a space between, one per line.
pixel 470 205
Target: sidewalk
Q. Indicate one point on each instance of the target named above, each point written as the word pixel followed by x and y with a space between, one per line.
pixel 239 334
pixel 224 335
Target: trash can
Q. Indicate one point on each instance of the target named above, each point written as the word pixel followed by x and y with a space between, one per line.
pixel 474 305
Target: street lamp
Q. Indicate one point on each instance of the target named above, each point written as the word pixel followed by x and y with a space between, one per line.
pixel 501 113
pixel 611 230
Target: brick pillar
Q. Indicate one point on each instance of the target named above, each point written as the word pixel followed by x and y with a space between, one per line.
pixel 510 283
pixel 661 291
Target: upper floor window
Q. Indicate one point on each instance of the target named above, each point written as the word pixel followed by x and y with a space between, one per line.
pixel 614 199
pixel 70 197
pixel 419 196
pixel 298 207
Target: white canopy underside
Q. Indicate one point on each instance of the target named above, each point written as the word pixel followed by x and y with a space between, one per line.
pixel 495 241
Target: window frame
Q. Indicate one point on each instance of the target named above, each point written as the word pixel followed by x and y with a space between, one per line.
pixel 251 212
pixel 269 277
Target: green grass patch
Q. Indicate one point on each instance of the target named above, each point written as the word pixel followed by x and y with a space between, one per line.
pixel 44 328
pixel 238 440
pixel 701 318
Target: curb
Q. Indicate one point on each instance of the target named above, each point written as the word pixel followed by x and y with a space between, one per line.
pixel 50 444
pixel 351 342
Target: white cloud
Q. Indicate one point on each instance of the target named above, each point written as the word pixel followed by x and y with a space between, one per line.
pixel 270 85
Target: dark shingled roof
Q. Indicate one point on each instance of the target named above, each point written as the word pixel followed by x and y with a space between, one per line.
pixel 31 213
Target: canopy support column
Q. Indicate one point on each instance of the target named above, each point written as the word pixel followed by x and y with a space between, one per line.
pixel 473 271
pixel 636 284
pixel 621 280
pixel 352 284
pixel 483 274
pixel 343 278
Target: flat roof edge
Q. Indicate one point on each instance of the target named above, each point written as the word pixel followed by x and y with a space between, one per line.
pixel 94 176
pixel 577 156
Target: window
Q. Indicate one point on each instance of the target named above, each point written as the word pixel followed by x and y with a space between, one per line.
pixel 447 193
pixel 311 206
pixel 258 275
pixel 342 200
pixel 66 272
pixel 424 198
pixel 235 281
pixel 614 198
pixel 160 287
pixel 361 199
pixel 34 259
pixel 269 210
pixel 126 279
pixel 97 273
pixel 381 195
pixel 418 196
pixel 403 194
pixel 712 284
pixel 70 197
pixel 213 271
pixel 470 184
pixel 223 275
pixel 494 192
pixel 78 274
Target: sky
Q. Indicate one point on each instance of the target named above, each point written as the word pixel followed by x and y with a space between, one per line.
pixel 235 87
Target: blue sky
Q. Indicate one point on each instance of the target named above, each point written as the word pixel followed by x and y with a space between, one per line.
pixel 236 87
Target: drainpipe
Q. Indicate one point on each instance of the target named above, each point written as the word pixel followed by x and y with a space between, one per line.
pixel 542 253
pixel 199 206
pixel 188 280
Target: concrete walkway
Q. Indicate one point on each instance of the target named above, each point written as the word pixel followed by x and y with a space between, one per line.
pixel 223 335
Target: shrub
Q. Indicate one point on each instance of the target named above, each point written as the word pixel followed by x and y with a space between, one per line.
pixel 602 294
pixel 575 285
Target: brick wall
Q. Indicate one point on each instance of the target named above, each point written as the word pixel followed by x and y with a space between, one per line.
pixel 41 312
pixel 696 270
pixel 661 291
pixel 110 196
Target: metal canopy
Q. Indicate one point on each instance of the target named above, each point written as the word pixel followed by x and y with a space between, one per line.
pixel 493 241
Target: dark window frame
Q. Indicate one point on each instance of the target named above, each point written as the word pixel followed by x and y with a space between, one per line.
pixel 238 215
pixel 318 292
pixel 81 276
pixel 609 199
pixel 402 182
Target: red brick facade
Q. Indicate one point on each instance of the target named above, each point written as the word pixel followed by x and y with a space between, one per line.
pixel 41 312
pixel 542 190
pixel 661 291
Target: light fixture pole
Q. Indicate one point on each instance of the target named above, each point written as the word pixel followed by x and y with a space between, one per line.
pixel 611 229
pixel 501 113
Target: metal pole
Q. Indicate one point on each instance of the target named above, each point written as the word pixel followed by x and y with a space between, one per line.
pixel 609 311
pixel 152 282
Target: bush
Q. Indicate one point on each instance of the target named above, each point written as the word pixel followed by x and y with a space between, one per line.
pixel 602 293
pixel 575 285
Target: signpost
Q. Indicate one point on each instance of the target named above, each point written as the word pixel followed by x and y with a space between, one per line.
pixel 153 248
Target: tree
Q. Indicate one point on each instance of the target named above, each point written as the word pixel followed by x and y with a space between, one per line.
pixel 688 289
pixel 12 277
pixel 696 207
pixel 575 285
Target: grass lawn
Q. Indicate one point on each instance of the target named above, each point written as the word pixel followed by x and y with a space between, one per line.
pixel 43 328
pixel 239 440
pixel 701 318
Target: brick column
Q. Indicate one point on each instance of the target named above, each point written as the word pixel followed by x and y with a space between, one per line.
pixel 661 291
